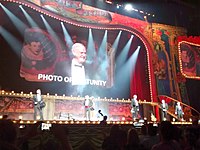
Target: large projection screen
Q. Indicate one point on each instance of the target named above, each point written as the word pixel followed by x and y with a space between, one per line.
pixel 40 55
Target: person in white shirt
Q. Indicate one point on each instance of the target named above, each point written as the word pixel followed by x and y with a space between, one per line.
pixel 77 65
pixel 88 104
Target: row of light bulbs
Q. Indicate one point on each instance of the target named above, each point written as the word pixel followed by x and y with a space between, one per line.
pixel 22 94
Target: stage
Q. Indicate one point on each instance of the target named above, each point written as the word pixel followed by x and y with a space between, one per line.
pixel 66 108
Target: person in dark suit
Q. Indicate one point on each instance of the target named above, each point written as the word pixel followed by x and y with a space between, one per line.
pixel 39 104
pixel 179 111
pixel 164 107
pixel 134 107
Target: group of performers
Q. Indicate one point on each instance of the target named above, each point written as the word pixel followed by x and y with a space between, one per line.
pixel 39 104
pixel 135 109
pixel 178 110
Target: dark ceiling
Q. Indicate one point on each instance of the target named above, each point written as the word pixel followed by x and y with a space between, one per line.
pixel 183 13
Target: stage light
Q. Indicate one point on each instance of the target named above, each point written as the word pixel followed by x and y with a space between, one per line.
pixel 38 118
pixel 20 117
pixel 128 7
pixel 108 1
pixel 118 6
pixel 142 12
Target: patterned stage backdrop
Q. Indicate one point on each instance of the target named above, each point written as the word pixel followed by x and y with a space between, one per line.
pixel 63 109
pixel 16 106
pixel 74 109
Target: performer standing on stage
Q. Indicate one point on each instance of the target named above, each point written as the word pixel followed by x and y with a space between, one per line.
pixel 88 103
pixel 178 111
pixel 164 107
pixel 39 104
pixel 135 107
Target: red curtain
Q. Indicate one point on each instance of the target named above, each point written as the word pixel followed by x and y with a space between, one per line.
pixel 139 83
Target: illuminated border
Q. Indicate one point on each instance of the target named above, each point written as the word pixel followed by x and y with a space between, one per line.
pixel 180 62
pixel 88 25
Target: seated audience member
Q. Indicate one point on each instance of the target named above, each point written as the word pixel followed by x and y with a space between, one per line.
pixel 166 133
pixel 143 132
pixel 56 138
pixel 152 138
pixel 133 141
pixel 112 142
pixel 8 135
pixel 192 137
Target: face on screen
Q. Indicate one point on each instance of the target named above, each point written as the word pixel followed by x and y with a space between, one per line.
pixel 35 48
pixel 190 59
pixel 79 52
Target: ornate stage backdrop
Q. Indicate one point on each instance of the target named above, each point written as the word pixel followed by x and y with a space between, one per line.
pixel 155 72
pixel 65 109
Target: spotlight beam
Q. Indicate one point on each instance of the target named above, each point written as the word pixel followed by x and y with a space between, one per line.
pixel 116 42
pixel 102 55
pixel 67 37
pixel 12 41
pixel 49 29
pixel 18 23
pixel 124 74
pixel 28 17
pixel 124 53
pixel 133 59
pixel 91 52
pixel 102 49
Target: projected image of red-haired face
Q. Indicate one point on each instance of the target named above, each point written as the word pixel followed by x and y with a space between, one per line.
pixel 39 54
pixel 190 60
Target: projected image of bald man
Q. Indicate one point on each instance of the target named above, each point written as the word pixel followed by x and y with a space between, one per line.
pixel 77 65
